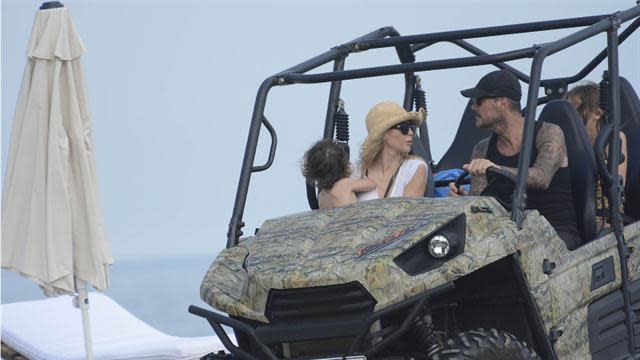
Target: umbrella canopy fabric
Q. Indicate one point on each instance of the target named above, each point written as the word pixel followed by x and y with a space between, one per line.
pixel 52 229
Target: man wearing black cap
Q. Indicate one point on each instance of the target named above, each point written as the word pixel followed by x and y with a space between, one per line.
pixel 496 104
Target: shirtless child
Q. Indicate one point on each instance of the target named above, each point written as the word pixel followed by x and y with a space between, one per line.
pixel 325 165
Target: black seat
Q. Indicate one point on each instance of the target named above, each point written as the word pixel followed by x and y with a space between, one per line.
pixel 630 117
pixel 466 138
pixel 582 163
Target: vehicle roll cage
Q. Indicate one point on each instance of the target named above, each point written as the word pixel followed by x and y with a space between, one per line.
pixel 406 46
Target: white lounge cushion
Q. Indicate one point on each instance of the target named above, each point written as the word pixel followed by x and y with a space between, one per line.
pixel 51 329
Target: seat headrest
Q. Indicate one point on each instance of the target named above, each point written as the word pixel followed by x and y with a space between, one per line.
pixel 629 105
pixel 630 117
pixel 467 136
pixel 582 163
pixel 563 114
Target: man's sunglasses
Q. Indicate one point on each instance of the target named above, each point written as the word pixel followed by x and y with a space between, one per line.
pixel 404 127
pixel 478 101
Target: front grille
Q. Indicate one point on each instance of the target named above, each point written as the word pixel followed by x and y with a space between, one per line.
pixel 323 303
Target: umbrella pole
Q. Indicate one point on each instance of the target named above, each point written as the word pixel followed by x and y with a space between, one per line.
pixel 81 301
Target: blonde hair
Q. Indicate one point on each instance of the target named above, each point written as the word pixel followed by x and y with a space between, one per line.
pixel 382 117
pixel 371 150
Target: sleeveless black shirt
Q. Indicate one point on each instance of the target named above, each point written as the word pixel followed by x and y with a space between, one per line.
pixel 555 203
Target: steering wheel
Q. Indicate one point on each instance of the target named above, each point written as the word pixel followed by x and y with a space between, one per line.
pixel 461 179
pixel 501 172
pixel 490 190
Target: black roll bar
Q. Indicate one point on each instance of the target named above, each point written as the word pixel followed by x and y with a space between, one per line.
pixel 272 149
pixel 405 54
pixel 524 77
pixel 402 68
pixel 614 160
pixel 596 60
pixel 340 52
pixel 376 39
pixel 610 25
pixel 603 25
pixel 332 105
pixel 482 32
pixel 477 51
pixel 387 37
pixel 236 224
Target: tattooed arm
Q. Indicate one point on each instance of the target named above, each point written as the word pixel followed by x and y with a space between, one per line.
pixel 552 154
pixel 478 183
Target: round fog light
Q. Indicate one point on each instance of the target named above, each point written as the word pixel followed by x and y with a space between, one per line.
pixel 439 246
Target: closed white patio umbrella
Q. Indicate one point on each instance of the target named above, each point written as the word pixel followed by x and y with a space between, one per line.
pixel 52 229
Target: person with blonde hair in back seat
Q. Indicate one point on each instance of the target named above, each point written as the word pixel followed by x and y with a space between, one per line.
pixel 585 99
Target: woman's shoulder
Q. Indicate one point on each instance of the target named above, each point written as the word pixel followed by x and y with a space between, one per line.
pixel 415 159
pixel 410 168
pixel 412 163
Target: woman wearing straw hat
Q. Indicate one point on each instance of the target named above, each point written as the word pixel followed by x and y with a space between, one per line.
pixel 384 156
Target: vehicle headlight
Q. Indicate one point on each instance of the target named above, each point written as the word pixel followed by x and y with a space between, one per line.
pixel 436 248
pixel 439 246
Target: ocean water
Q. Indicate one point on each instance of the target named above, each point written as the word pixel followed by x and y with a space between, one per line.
pixel 156 291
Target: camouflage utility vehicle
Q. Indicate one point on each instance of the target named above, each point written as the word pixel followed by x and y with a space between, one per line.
pixel 445 278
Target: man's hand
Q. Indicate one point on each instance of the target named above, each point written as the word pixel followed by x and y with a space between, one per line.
pixel 456 192
pixel 478 167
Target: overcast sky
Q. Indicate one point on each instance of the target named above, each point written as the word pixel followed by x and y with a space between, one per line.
pixel 172 86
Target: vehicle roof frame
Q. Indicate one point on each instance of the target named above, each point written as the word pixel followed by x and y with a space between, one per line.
pixel 389 37
pixel 407 45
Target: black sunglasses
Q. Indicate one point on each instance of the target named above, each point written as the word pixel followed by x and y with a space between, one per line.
pixel 478 101
pixel 404 127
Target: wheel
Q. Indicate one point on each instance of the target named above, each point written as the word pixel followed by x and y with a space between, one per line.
pixel 505 199
pixel 485 345
pixel 490 190
pixel 461 179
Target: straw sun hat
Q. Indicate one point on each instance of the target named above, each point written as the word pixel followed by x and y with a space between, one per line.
pixel 385 115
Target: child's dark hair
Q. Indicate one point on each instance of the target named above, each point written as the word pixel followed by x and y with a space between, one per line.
pixel 325 163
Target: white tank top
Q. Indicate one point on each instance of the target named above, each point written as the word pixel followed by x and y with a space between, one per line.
pixel 405 174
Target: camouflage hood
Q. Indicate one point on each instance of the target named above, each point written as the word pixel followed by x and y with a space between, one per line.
pixel 353 243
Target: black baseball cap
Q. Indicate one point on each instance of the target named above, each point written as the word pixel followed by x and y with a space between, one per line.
pixel 497 83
